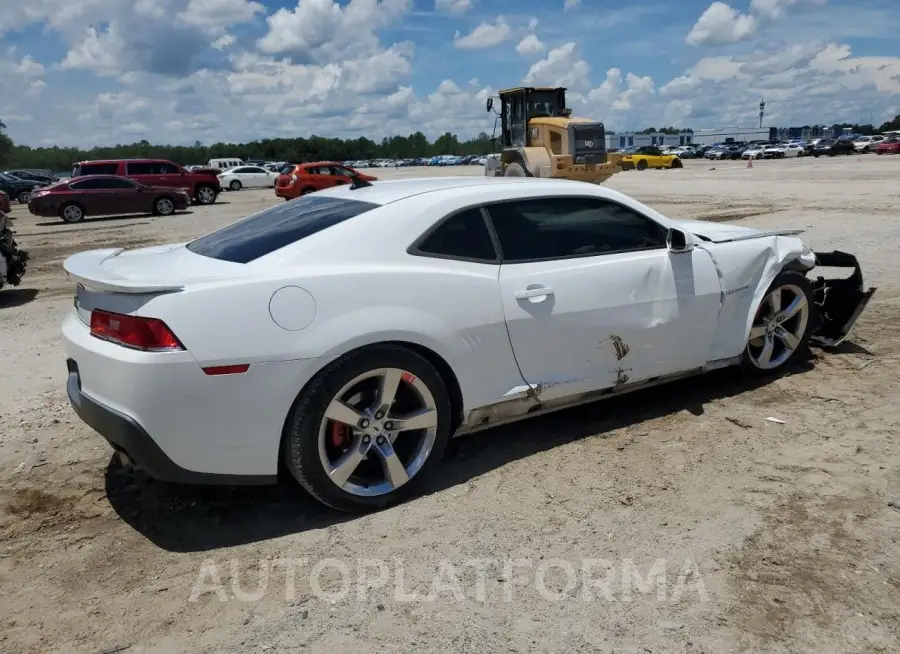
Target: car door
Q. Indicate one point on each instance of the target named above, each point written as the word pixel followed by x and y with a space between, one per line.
pixel 341 175
pixel 257 177
pixel 594 298
pixel 144 172
pixel 94 196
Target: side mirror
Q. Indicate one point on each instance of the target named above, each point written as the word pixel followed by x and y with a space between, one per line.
pixel 678 241
pixel 490 103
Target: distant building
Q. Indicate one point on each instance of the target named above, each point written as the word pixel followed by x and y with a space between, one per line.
pixel 621 140
pixel 734 134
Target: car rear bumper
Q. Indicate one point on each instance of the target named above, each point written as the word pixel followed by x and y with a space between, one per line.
pixel 286 192
pixel 626 165
pixel 128 438
pixel 176 421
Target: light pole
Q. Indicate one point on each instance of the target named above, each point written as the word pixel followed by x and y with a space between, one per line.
pixel 762 111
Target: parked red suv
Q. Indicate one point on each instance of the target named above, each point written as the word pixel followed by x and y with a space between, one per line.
pixel 201 185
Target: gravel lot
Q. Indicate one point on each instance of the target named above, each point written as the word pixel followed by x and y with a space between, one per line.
pixel 773 537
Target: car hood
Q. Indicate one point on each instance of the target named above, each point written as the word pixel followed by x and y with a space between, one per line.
pixel 717 232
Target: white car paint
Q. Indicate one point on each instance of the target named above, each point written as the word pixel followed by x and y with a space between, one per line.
pixel 674 311
pixel 755 152
pixel 249 177
pixel 869 142
pixel 792 150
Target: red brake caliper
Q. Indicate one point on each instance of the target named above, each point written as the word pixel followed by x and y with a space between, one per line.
pixel 340 435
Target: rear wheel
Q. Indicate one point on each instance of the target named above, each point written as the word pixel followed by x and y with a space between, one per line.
pixel 676 163
pixel 235 185
pixel 307 190
pixel 369 429
pixel 24 197
pixel 779 335
pixel 163 207
pixel 642 164
pixel 71 213
pixel 205 195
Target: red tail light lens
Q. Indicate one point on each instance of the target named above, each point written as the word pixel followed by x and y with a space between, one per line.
pixel 148 334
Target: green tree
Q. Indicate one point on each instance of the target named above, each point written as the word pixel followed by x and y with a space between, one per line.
pixel 6 145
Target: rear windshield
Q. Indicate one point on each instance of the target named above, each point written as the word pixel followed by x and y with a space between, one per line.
pixel 275 228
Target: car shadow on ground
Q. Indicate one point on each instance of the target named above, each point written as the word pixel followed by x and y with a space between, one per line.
pixel 11 298
pixel 102 219
pixel 190 519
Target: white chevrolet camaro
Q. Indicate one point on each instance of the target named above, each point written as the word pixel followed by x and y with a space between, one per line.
pixel 345 336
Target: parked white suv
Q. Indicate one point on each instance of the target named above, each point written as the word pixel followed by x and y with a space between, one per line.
pixel 866 144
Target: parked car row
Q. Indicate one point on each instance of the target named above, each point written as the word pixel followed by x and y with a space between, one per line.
pixel 124 186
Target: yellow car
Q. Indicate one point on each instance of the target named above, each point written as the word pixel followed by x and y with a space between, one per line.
pixel 649 156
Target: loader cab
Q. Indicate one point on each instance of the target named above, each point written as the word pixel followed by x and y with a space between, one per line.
pixel 538 117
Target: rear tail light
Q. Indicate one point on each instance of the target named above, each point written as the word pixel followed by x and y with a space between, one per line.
pixel 135 332
pixel 293 178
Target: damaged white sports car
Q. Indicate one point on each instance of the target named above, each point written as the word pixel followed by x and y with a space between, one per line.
pixel 345 336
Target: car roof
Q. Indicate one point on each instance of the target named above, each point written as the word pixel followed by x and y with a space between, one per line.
pixel 384 192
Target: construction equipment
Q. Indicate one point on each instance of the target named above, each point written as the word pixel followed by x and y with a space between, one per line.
pixel 540 138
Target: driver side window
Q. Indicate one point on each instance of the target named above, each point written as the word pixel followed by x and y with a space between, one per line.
pixel 558 228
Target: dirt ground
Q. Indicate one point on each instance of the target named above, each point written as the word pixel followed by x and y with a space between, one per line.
pixel 678 519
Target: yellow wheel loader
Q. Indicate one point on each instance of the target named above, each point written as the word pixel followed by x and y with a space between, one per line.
pixel 540 138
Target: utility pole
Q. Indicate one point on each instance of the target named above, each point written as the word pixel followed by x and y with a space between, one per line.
pixel 762 111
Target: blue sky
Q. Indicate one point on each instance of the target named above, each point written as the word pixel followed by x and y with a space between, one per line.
pixel 97 72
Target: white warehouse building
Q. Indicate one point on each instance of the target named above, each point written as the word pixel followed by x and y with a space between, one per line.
pixel 734 134
pixel 621 140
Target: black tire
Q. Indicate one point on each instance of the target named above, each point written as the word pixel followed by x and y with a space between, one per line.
pixel 235 185
pixel 71 216
pixel 301 438
pixel 205 194
pixel 307 190
pixel 816 155
pixel 515 170
pixel 676 163
pixel 24 197
pixel 786 278
pixel 865 150
pixel 641 165
pixel 163 206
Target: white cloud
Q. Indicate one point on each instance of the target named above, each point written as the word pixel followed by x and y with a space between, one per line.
pixel 215 15
pixel 571 4
pixel 530 45
pixel 721 23
pixel 562 67
pixel 325 31
pixel 456 7
pixel 486 35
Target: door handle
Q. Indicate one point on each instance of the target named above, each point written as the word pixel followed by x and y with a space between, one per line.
pixel 527 294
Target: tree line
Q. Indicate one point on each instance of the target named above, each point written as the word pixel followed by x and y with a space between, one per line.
pixel 314 148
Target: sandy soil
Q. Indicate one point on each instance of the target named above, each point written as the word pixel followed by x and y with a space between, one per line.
pixel 773 537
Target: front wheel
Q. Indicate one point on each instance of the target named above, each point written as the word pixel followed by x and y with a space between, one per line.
pixel 71 213
pixel 642 164
pixel 369 429
pixel 24 197
pixel 514 170
pixel 676 163
pixel 779 335
pixel 163 207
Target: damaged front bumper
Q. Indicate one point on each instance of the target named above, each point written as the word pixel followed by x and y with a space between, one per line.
pixel 840 302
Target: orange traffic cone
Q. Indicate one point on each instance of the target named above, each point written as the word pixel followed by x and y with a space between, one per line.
pixel 749 163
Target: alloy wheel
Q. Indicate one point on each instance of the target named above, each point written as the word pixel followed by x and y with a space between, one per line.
pixel 377 432
pixel 206 195
pixel 164 206
pixel 73 213
pixel 779 327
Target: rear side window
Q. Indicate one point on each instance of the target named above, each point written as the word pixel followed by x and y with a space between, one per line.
pixel 96 169
pixel 277 227
pixel 463 236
